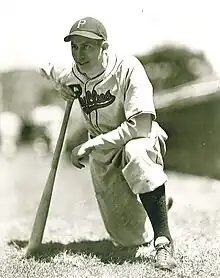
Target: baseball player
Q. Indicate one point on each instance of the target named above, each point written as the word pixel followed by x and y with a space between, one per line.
pixel 125 143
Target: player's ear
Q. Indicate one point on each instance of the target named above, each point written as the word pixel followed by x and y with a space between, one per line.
pixel 105 45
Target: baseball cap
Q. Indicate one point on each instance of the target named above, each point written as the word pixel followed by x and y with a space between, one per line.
pixel 87 27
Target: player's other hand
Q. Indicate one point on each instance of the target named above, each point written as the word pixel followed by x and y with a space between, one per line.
pixel 80 152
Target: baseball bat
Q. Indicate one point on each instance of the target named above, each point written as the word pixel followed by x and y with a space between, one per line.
pixel 43 208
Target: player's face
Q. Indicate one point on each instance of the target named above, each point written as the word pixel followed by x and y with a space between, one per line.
pixel 87 53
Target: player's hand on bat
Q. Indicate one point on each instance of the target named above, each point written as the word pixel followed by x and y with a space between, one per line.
pixel 66 93
pixel 59 80
pixel 80 152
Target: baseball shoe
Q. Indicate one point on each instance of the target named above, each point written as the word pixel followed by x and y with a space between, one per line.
pixel 169 203
pixel 164 254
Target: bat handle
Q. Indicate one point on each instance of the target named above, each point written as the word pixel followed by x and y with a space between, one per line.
pixel 59 145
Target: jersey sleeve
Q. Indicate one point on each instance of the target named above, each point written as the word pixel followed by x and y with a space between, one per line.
pixel 138 91
pixel 138 126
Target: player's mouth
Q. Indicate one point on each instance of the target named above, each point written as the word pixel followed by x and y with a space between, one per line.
pixel 82 63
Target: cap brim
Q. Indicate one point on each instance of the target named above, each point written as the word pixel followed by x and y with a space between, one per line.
pixel 83 34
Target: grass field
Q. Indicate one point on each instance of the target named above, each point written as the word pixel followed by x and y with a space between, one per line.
pixel 75 241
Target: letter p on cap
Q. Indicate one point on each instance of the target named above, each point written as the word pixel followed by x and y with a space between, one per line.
pixel 81 22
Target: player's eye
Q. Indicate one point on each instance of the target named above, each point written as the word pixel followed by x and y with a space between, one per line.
pixel 74 46
pixel 86 46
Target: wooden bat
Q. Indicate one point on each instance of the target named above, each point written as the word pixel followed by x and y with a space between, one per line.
pixel 43 208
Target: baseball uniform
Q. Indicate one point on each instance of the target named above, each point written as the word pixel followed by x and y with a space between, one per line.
pixel 114 105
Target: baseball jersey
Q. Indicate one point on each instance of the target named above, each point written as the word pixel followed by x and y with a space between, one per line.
pixel 111 100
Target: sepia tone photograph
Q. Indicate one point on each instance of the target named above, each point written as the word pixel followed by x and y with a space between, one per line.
pixel 109 139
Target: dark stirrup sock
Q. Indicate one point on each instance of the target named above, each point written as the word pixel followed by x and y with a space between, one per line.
pixel 154 203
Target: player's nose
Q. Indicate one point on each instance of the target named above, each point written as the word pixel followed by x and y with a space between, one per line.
pixel 80 55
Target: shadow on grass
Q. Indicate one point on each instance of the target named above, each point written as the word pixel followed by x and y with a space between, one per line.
pixel 102 249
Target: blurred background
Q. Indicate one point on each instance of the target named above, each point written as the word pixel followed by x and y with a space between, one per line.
pixel 175 41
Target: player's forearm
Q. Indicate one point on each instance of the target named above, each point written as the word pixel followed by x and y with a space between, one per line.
pixel 138 127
